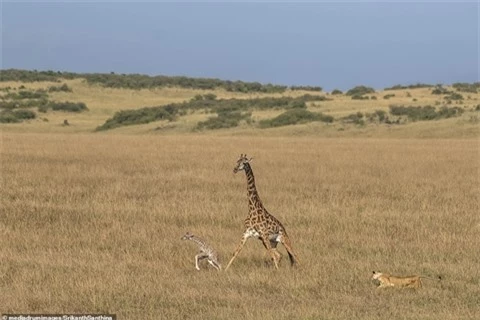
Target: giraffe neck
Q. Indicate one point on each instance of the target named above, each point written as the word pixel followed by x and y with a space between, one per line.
pixel 198 241
pixel 254 201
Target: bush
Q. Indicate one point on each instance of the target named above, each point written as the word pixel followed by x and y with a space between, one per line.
pixel 412 86
pixel 8 117
pixel 26 94
pixel 138 81
pixel 360 91
pixel 15 116
pixel 381 115
pixel 446 112
pixel 356 118
pixel 209 96
pixel 336 91
pixel 295 116
pixel 306 88
pixel 425 113
pixel 9 105
pixel 24 114
pixel 224 120
pixel 439 89
pixel 63 88
pixel 67 106
pixel 359 97
pixel 467 87
pixel 28 76
pixel 454 96
pixel 388 96
pixel 414 113
pixel 140 116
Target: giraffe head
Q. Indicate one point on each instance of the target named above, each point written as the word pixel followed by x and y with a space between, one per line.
pixel 241 162
pixel 187 236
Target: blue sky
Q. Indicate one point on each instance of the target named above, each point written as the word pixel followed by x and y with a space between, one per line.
pixel 327 44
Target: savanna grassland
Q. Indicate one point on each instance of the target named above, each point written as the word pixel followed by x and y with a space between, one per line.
pixel 90 222
pixel 93 224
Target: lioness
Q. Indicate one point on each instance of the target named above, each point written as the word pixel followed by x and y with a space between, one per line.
pixel 386 280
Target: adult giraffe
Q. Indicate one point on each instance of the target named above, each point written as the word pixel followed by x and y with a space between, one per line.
pixel 259 223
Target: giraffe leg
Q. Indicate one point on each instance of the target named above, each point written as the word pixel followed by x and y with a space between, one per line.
pixel 214 264
pixel 270 250
pixel 199 257
pixel 237 251
pixel 288 246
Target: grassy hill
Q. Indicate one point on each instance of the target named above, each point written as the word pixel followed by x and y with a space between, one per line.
pixel 355 113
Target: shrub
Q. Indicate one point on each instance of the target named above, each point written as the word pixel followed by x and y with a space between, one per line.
pixel 8 117
pixel 63 88
pixel 140 116
pixel 197 97
pixel 15 116
pixel 336 91
pixel 446 112
pixel 306 88
pixel 440 90
pixel 359 91
pixel 412 86
pixel 224 120
pixel 381 115
pixel 425 113
pixel 356 118
pixel 388 96
pixel 24 114
pixel 295 116
pixel 298 104
pixel 67 106
pixel 27 76
pixel 9 105
pixel 414 113
pixel 210 96
pixel 359 97
pixel 27 94
pixel 454 96
pixel 467 87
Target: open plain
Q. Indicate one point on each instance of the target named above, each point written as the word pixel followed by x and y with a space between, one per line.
pixel 92 223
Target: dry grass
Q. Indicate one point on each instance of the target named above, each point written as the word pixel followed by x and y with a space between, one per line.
pixel 92 223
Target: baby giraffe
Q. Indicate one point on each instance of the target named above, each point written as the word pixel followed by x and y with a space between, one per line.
pixel 206 251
